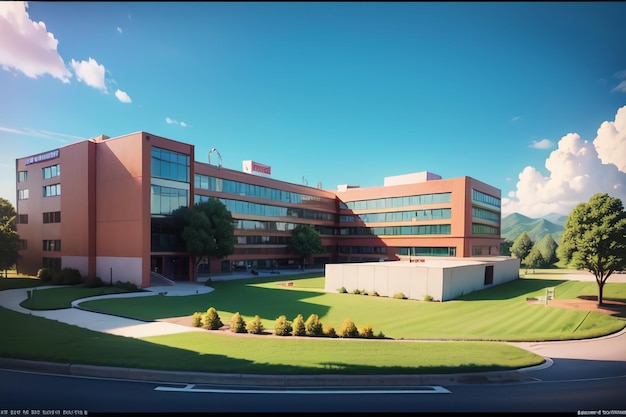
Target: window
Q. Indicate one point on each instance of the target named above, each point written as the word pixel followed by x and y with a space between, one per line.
pixel 21 244
pixel 52 245
pixel 22 176
pixel 485 198
pixel 483 229
pixel 22 219
pixel 51 171
pixel 52 190
pixel 52 217
pixel 53 264
pixel 170 165
pixel 22 194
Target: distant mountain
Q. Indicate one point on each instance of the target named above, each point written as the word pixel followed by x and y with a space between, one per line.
pixel 515 224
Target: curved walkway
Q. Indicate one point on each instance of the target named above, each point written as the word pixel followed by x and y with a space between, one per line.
pixel 608 348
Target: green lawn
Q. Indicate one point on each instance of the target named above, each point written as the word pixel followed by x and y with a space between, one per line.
pixel 499 313
pixel 62 297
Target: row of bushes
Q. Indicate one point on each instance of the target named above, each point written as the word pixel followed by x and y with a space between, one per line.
pixel 71 276
pixel 398 295
pixel 282 327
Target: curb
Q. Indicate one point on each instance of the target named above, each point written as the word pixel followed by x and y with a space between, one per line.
pixel 133 374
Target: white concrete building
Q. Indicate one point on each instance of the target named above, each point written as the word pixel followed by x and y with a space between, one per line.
pixel 441 278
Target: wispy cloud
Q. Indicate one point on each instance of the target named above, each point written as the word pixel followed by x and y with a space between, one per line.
pixel 171 121
pixel 119 30
pixel 44 134
pixel 516 118
pixel 621 87
pixel 541 144
pixel 27 46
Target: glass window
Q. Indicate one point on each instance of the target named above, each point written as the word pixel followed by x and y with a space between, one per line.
pixel 22 176
pixel 22 194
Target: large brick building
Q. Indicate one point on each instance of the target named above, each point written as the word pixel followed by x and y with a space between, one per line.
pixel 103 206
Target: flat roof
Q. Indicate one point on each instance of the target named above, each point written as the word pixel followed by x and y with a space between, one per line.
pixel 437 262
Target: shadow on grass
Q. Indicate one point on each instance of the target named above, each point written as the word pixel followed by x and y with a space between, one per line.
pixel 513 289
pixel 246 295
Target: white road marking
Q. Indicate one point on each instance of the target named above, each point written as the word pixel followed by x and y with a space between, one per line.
pixel 430 389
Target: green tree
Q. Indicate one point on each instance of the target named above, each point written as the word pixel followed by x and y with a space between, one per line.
pixel 505 248
pixel 305 241
pixel 595 238
pixel 313 326
pixel 534 259
pixel 521 248
pixel 8 236
pixel 298 326
pixel 548 247
pixel 208 231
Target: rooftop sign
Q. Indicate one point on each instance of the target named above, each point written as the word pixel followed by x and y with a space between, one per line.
pixel 42 157
pixel 252 167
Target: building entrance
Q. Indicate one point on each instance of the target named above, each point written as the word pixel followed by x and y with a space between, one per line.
pixel 173 267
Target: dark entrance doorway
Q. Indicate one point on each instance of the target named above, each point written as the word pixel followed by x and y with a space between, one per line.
pixel 173 267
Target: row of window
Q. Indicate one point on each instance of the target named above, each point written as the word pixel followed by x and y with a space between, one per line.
pixel 263 240
pixel 393 202
pixel 360 250
pixel 480 213
pixel 246 207
pixel 48 217
pixel 277 226
pixel 48 191
pixel 47 172
pixel 483 229
pixel 169 165
pixel 400 216
pixel 485 198
pixel 164 200
pixel 427 229
pixel 204 182
pixel 427 251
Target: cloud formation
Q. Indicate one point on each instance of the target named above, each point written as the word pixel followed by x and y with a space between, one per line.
pixel 171 121
pixel 577 170
pixel 621 87
pixel 90 72
pixel 27 46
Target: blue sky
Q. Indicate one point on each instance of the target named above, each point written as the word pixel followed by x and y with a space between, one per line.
pixel 513 94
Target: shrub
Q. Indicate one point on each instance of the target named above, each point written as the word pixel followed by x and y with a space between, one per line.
pixel 196 319
pixel 282 327
pixel 329 331
pixel 399 295
pixel 342 290
pixel 67 276
pixel 374 293
pixel 44 274
pixel 356 291
pixel 313 326
pixel 380 335
pixel 367 331
pixel 237 323
pixel 255 326
pixel 211 320
pixel 298 326
pixel 428 298
pixel 94 282
pixel 126 286
pixel 348 329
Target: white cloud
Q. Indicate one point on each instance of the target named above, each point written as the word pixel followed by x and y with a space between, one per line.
pixel 119 29
pixel 542 144
pixel 90 72
pixel 171 121
pixel 27 46
pixel 610 142
pixel 45 134
pixel 577 170
pixel 516 118
pixel 122 96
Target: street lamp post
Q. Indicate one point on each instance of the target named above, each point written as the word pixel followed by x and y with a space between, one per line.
pixel 219 157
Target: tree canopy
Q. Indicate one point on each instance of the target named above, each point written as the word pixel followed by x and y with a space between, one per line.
pixel 305 241
pixel 534 259
pixel 521 247
pixel 595 238
pixel 208 230
pixel 8 235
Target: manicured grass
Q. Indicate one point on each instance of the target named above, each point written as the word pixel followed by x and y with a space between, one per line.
pixel 499 313
pixel 62 297
pixel 19 282
pixel 36 338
